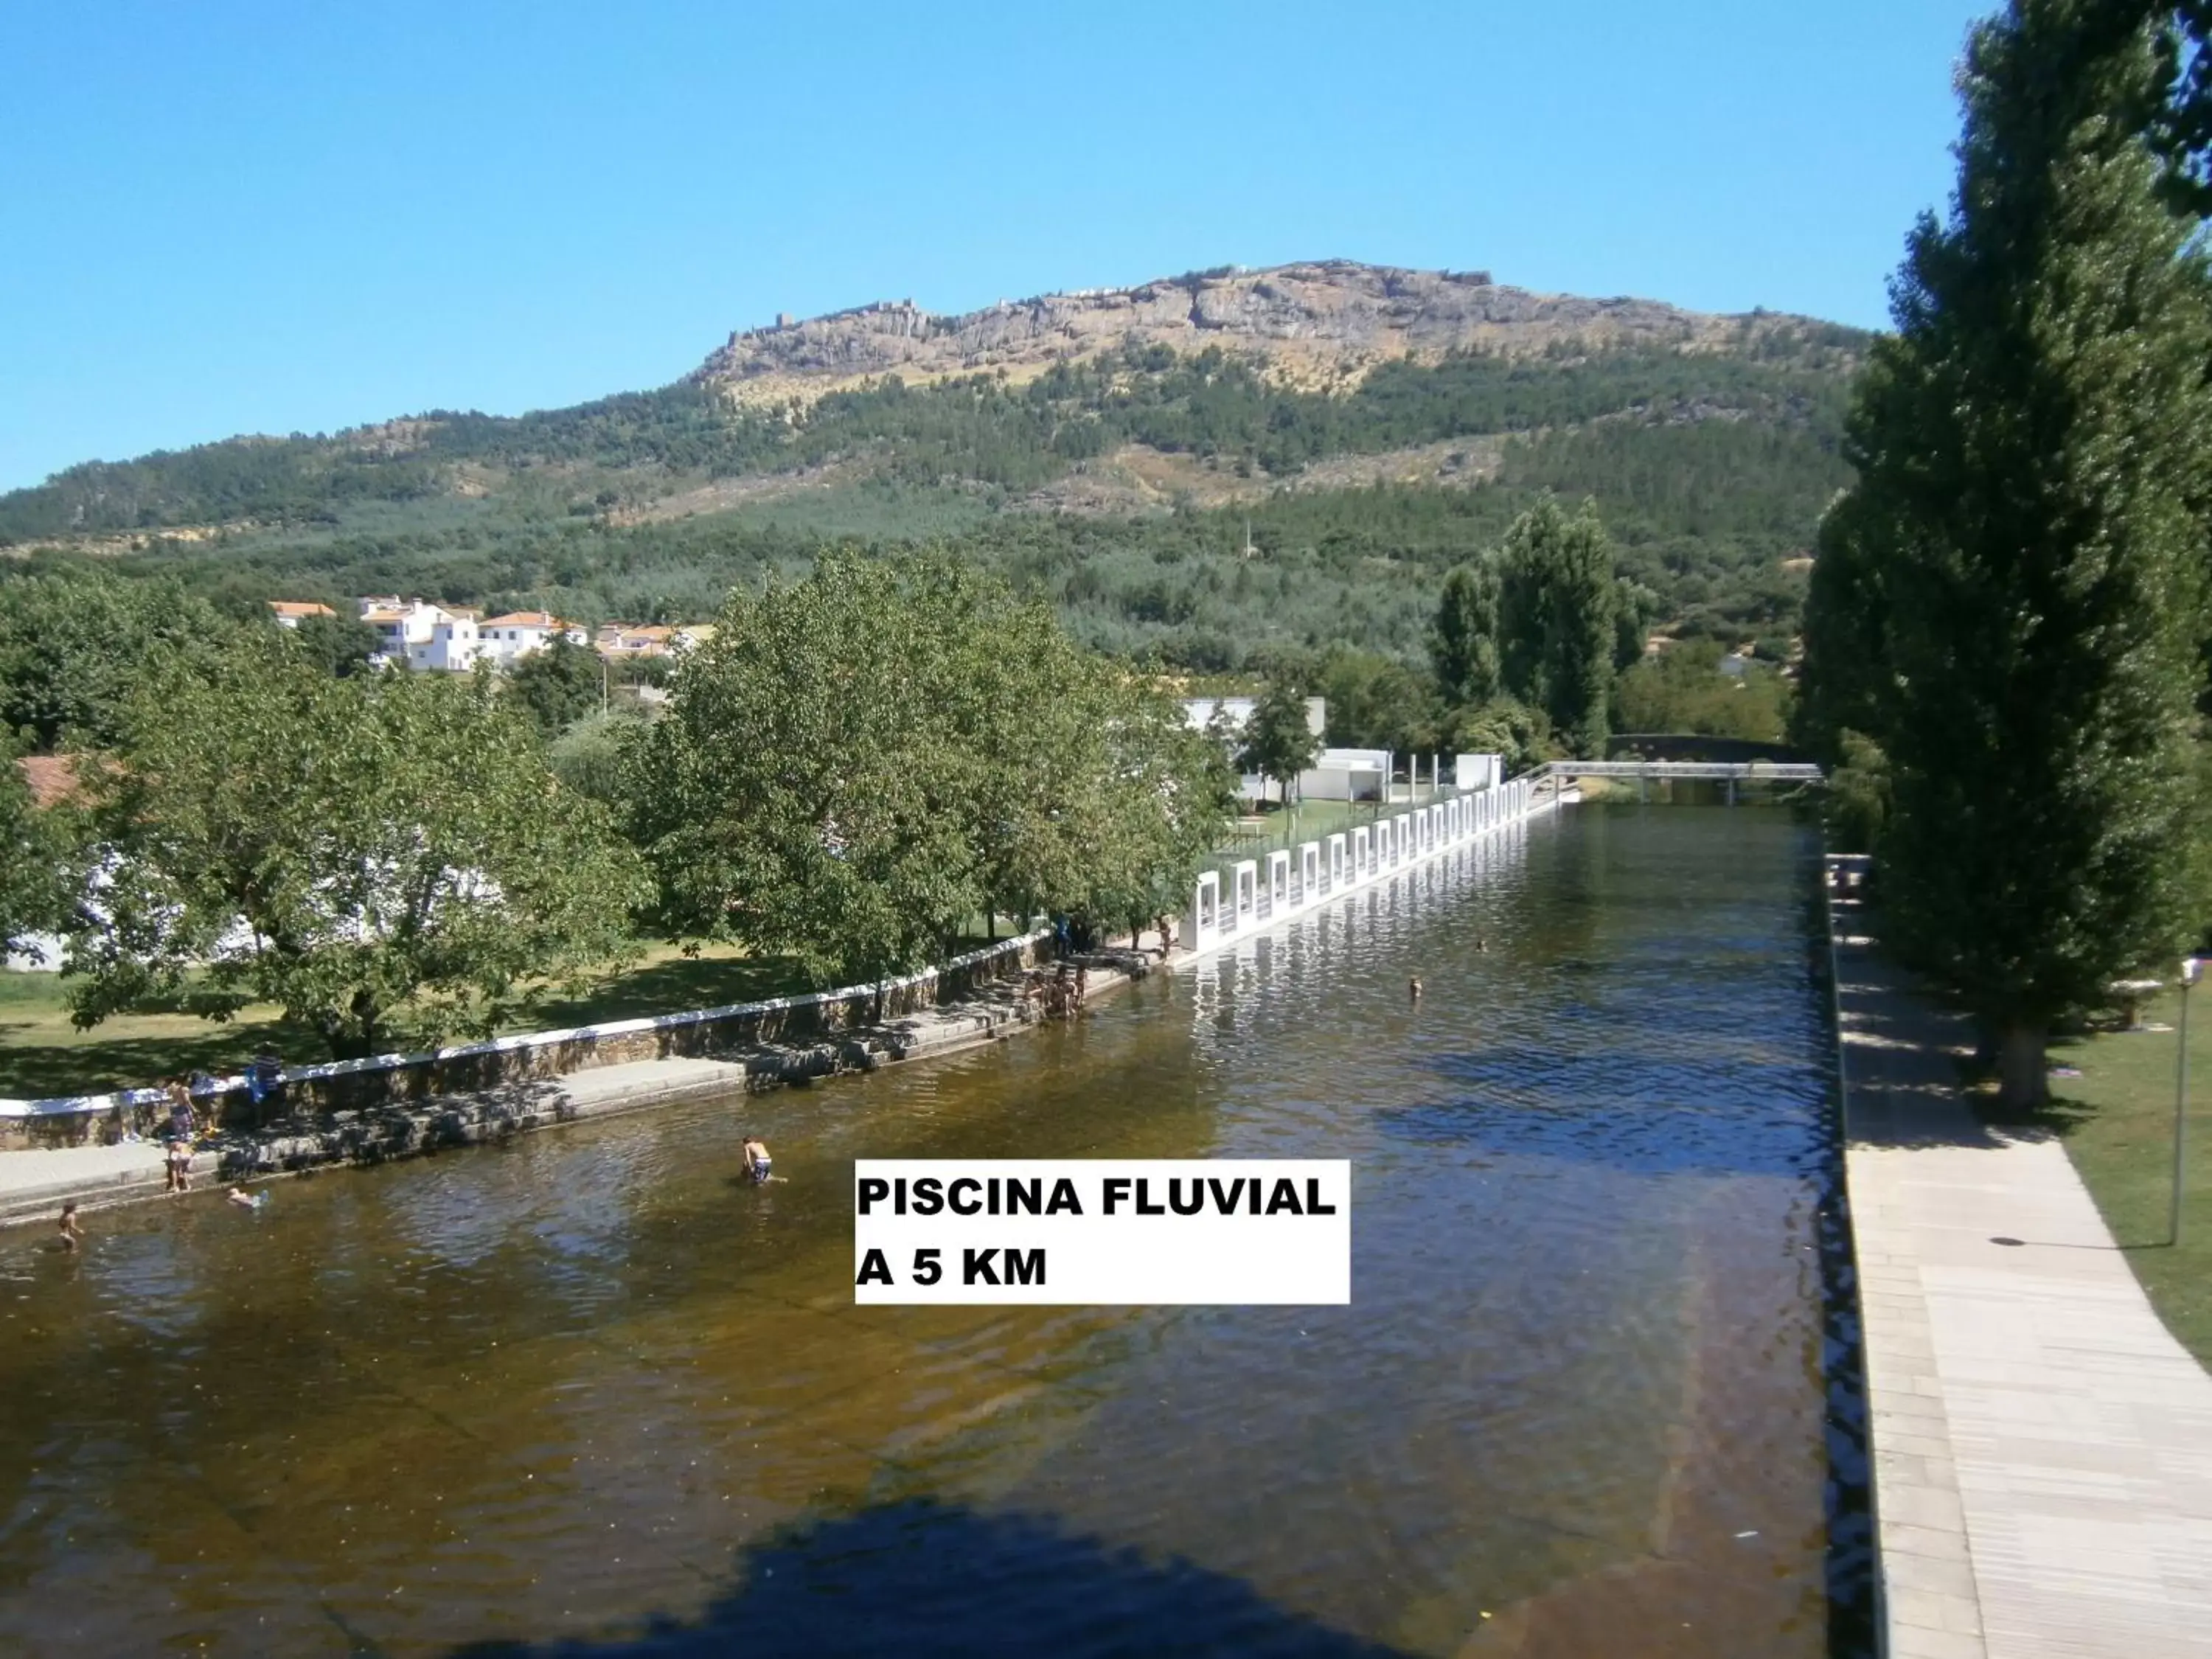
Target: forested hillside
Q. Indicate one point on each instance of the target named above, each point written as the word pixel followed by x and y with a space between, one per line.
pixel 1124 484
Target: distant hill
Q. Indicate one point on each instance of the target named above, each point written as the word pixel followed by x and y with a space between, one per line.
pixel 1373 424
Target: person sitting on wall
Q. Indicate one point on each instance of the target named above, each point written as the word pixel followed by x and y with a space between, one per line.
pixel 265 1078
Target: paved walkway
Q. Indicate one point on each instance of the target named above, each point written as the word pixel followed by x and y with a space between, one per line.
pixel 74 1168
pixel 2042 1446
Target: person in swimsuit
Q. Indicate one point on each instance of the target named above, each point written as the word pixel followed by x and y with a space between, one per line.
pixel 181 1129
pixel 757 1159
pixel 71 1232
pixel 1414 989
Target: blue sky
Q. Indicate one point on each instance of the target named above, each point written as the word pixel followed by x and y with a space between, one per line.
pixel 247 217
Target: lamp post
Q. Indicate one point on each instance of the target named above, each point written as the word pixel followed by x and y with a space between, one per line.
pixel 2188 969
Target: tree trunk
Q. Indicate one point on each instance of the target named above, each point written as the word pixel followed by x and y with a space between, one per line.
pixel 2023 1071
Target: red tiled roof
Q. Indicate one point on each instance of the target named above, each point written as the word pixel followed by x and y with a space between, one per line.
pixel 300 608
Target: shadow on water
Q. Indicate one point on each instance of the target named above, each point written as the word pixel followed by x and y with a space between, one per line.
pixel 924 1577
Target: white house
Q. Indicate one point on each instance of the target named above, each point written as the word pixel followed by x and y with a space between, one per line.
pixel 417 635
pixel 453 645
pixel 400 625
pixel 504 639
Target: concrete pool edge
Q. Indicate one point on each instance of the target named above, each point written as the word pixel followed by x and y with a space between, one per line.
pixel 2039 1478
pixel 35 1184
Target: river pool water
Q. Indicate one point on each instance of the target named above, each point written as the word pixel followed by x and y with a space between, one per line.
pixel 591 1394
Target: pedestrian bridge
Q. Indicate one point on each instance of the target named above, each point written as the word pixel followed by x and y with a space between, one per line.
pixel 1557 775
pixel 1714 771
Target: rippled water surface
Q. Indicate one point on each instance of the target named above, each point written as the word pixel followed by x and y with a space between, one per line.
pixel 590 1394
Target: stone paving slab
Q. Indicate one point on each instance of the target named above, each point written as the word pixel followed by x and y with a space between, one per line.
pixel 30 1174
pixel 2042 1445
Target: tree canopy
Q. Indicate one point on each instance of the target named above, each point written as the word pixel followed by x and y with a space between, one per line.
pixel 75 646
pixel 386 857
pixel 1557 594
pixel 1280 741
pixel 33 892
pixel 2017 607
pixel 861 762
pixel 557 684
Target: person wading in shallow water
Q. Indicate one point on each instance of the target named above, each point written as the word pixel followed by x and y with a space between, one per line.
pixel 71 1231
pixel 757 1159
pixel 181 1130
pixel 1413 988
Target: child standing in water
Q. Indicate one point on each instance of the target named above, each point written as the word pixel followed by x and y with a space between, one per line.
pixel 71 1229
pixel 757 1159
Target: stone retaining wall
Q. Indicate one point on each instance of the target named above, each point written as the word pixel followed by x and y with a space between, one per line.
pixel 504 1062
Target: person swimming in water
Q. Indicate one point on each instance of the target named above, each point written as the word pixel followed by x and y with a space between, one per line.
pixel 244 1200
pixel 757 1164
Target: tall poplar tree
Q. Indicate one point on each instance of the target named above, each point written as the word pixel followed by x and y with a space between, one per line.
pixel 1463 644
pixel 2021 598
pixel 1556 605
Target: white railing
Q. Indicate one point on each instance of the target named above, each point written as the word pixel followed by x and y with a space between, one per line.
pixel 1298 879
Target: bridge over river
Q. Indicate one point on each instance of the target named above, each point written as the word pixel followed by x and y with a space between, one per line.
pixel 594 1394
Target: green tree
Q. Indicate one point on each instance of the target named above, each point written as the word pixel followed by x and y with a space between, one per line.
pixel 861 763
pixel 1280 743
pixel 33 890
pixel 385 857
pixel 1376 701
pixel 1165 793
pixel 341 645
pixel 1684 689
pixel 1846 678
pixel 74 646
pixel 556 685
pixel 593 756
pixel 2034 449
pixel 1557 594
pixel 1463 644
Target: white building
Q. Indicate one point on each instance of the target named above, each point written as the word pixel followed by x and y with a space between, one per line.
pixel 1237 711
pixel 1346 774
pixel 400 625
pixel 417 635
pixel 452 645
pixel 1479 771
pixel 504 639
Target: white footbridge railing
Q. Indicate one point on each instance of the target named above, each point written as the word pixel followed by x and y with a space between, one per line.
pixel 1289 881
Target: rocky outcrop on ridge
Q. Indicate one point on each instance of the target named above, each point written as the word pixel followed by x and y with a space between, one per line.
pixel 1313 321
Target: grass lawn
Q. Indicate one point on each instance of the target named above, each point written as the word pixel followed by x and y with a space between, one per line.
pixel 2117 1123
pixel 41 1053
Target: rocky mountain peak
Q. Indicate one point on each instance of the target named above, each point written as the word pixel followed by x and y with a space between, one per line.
pixel 1322 318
